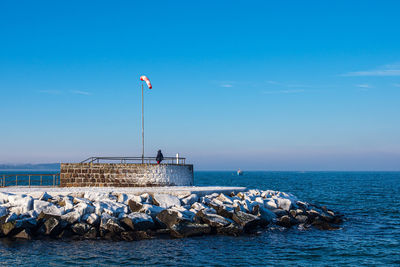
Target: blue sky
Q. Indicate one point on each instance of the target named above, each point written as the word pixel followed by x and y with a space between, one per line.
pixel 260 85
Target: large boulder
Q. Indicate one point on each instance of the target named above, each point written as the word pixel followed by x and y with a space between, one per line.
pixel 24 234
pixel 3 211
pixel 141 221
pixel 186 229
pixel 51 226
pixel 266 215
pixel 84 208
pixel 151 210
pixel 71 217
pixel 214 220
pixel 92 219
pixel 169 217
pixel 284 203
pixel 134 206
pixel 80 228
pixel 109 224
pixel 166 201
pixel 190 200
pixel 247 221
pixel 232 229
pixel 134 236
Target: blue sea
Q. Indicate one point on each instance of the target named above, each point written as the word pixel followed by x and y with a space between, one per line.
pixel 370 235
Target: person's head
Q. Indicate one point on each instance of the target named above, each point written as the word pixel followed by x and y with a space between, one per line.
pixel 159 151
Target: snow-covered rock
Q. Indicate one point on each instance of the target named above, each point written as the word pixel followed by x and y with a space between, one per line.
pixel 71 217
pixel 91 218
pixel 284 203
pixel 84 208
pixel 3 211
pixel 190 200
pixel 166 201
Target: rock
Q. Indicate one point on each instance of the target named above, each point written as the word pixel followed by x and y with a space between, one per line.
pixel 213 220
pixel 134 206
pixel 169 217
pixel 232 229
pixel 26 223
pixel 84 208
pixel 279 212
pixel 225 199
pixel 198 206
pixel 67 203
pixel 47 207
pixel 3 211
pixel 110 207
pixel 24 234
pixel 11 217
pixel 51 226
pixel 270 204
pixel 135 236
pixel 284 221
pixel 284 203
pixel 322 225
pixel 127 224
pixel 98 196
pixel 292 213
pixel 122 198
pixel 186 229
pixel 141 221
pixel 247 221
pixel 7 228
pixel 80 228
pixel 151 210
pixel 71 217
pixel 110 224
pixel 92 219
pixel 45 196
pixel 301 218
pixel 91 233
pixel 190 200
pixel 266 215
pixel 166 201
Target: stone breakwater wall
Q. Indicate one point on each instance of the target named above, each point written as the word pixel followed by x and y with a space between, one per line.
pixel 124 175
pixel 120 216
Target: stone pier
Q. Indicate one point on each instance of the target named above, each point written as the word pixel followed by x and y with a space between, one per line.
pixel 125 175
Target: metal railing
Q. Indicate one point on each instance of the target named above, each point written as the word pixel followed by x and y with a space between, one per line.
pixel 30 179
pixel 147 160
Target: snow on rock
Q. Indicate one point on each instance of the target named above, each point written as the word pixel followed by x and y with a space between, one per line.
pixel 83 208
pixel 71 217
pixel 270 203
pixel 3 211
pixel 110 207
pixel 97 196
pixel 4 197
pixel 166 201
pixel 141 221
pixel 91 219
pixel 190 200
pixel 47 207
pixel 151 210
pixel 284 203
pixel 45 196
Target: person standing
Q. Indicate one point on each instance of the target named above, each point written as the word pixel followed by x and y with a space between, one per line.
pixel 159 157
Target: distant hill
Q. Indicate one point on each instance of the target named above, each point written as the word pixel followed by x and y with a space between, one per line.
pixel 42 166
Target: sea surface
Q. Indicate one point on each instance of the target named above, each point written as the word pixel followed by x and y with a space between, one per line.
pixel 370 235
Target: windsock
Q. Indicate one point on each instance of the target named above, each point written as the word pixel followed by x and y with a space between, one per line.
pixel 144 78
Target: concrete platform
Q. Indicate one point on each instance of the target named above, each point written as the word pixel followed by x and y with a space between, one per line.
pixel 172 190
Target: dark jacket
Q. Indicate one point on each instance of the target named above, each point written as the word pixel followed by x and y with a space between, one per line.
pixel 160 156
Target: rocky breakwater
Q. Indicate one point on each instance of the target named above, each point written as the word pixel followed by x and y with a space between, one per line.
pixel 118 216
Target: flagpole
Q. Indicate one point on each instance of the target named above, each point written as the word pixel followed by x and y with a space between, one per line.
pixel 142 127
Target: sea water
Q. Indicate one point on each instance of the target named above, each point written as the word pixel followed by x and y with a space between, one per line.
pixel 370 234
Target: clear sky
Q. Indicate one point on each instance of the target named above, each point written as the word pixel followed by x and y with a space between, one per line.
pixel 257 85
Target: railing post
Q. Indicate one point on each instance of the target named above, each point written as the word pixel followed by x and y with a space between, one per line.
pixel 29 180
pixel 40 180
pixel 54 180
pixel 16 180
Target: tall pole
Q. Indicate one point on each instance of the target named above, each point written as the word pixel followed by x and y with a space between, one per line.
pixel 142 127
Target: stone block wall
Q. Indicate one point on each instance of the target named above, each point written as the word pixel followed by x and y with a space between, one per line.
pixel 124 175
